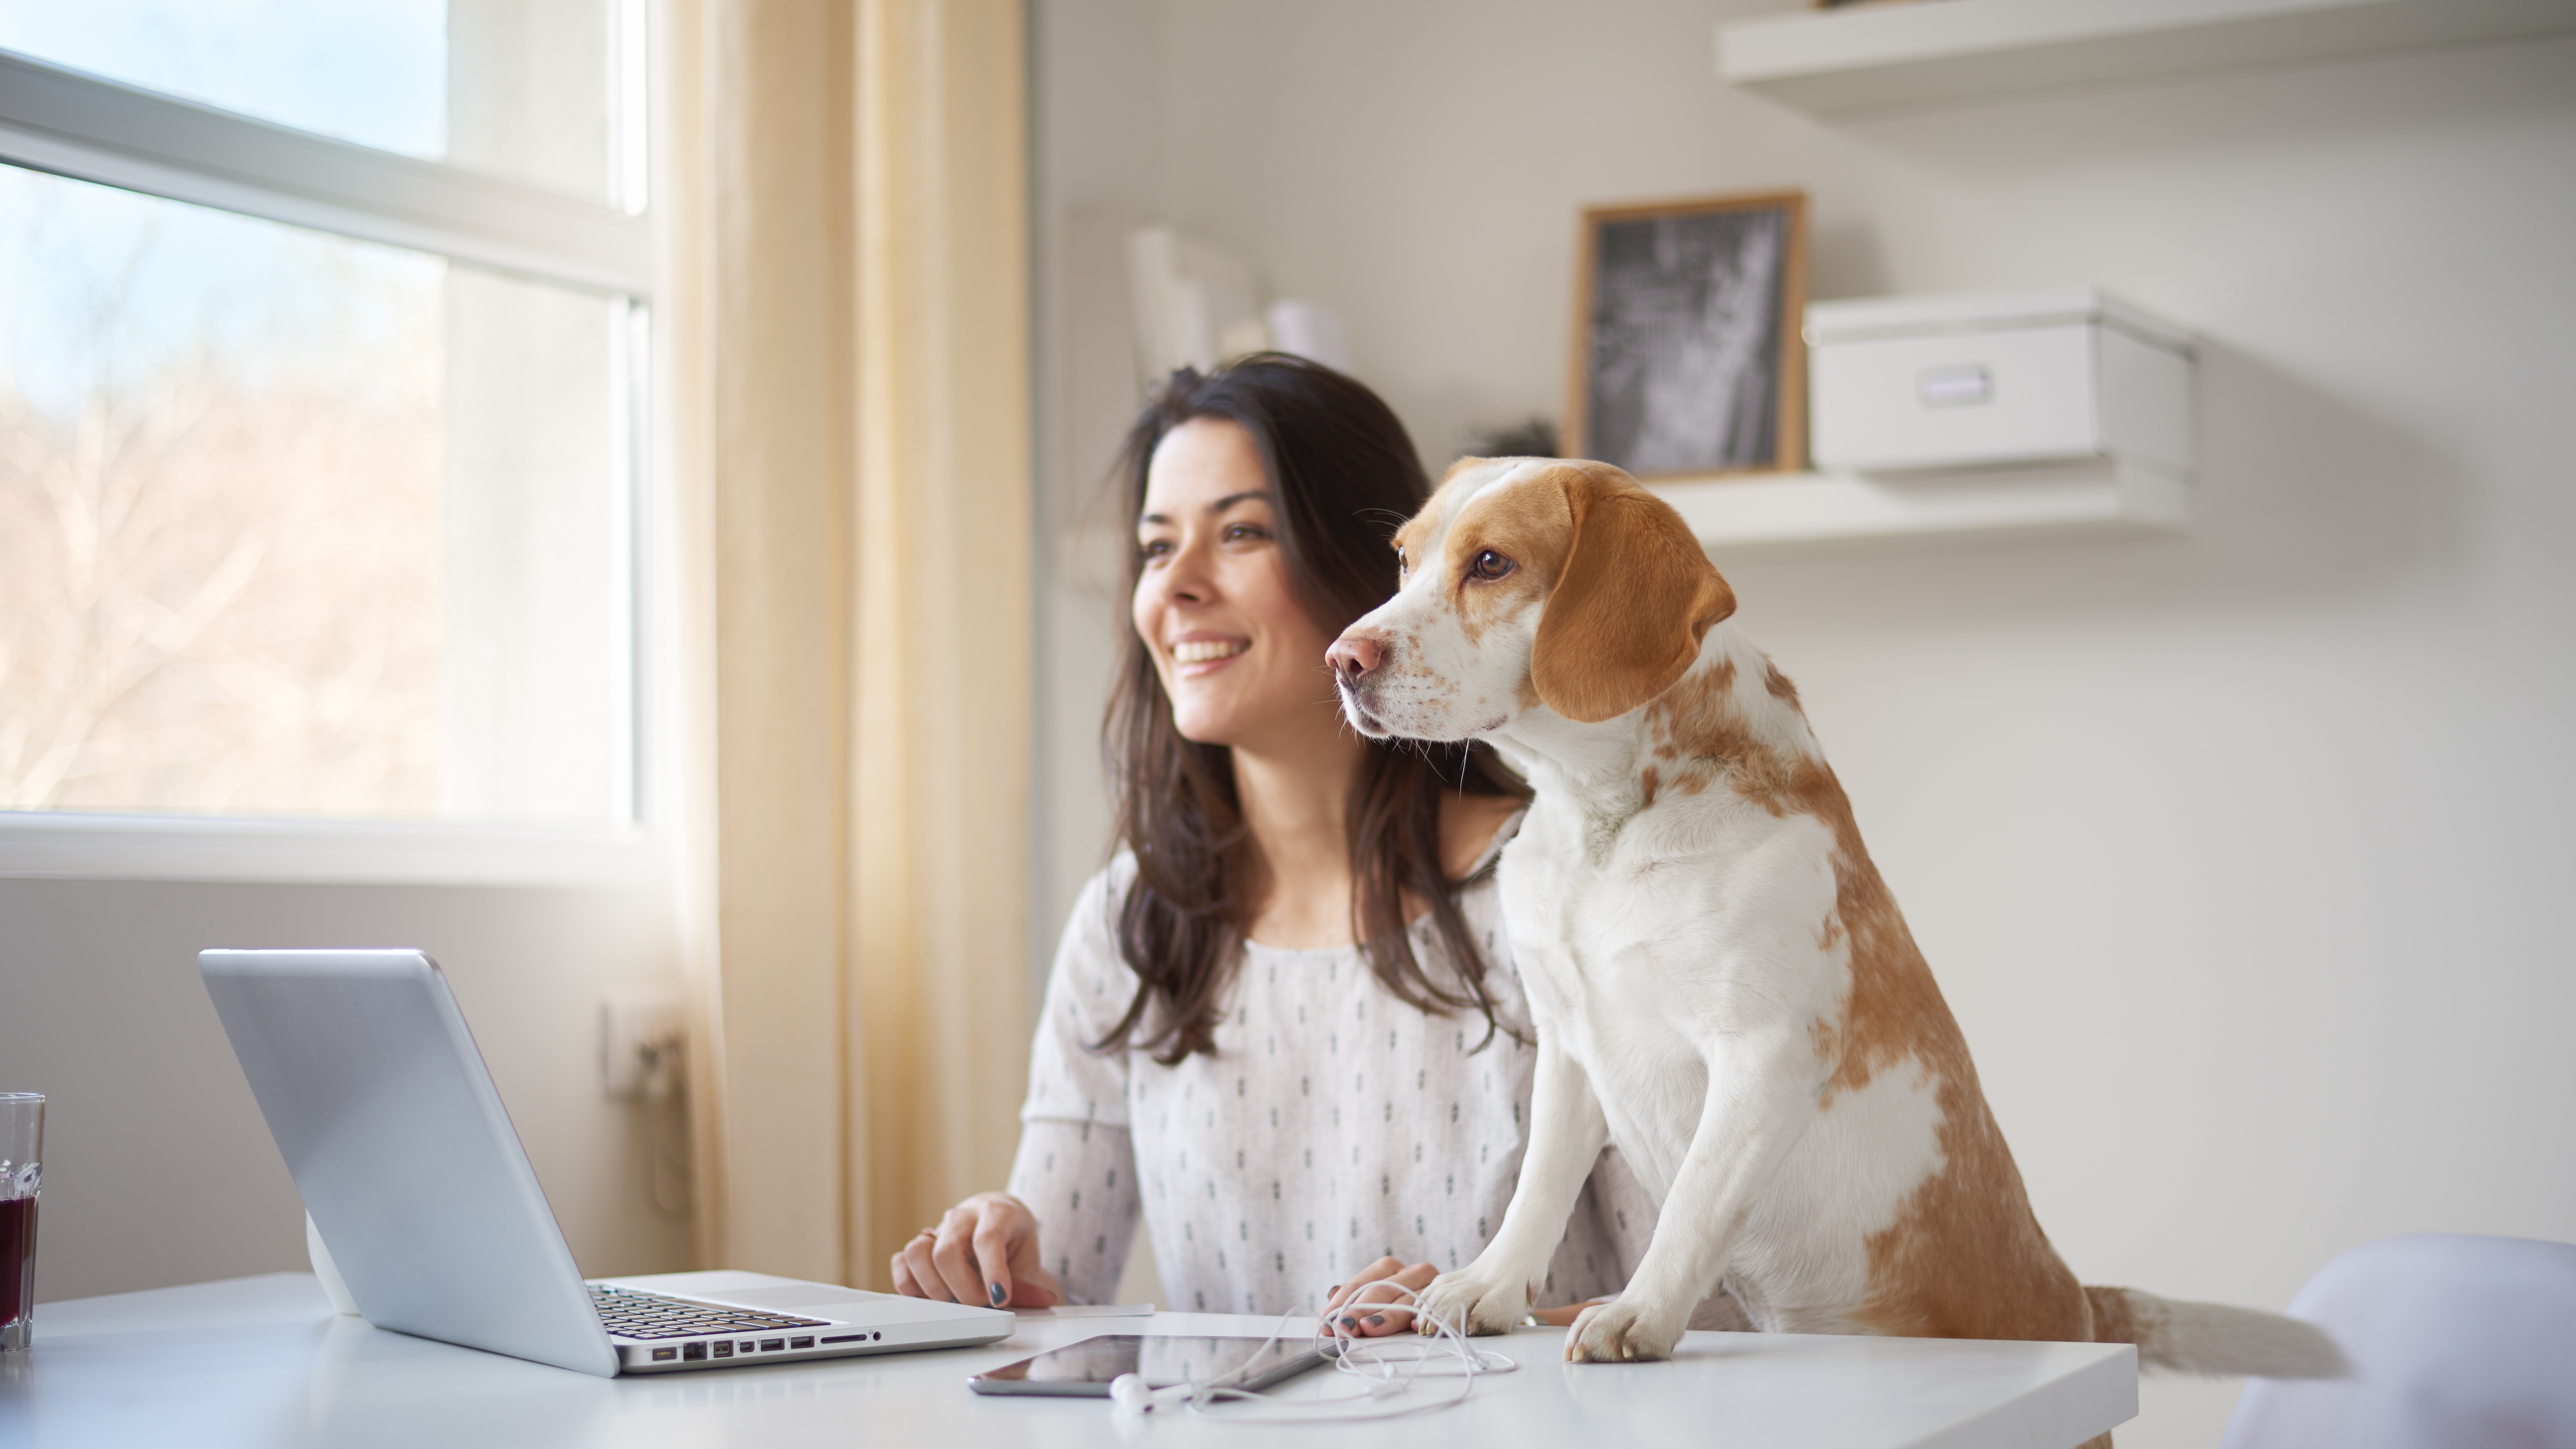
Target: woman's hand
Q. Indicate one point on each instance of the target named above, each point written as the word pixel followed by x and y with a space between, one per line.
pixel 984 1252
pixel 1350 1310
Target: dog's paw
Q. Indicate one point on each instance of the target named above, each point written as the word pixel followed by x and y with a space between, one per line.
pixel 1622 1332
pixel 1482 1302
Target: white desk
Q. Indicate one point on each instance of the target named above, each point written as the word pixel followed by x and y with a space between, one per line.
pixel 262 1361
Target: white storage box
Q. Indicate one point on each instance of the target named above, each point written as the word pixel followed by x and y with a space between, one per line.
pixel 1962 382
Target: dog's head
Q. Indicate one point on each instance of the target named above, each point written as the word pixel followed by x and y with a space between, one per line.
pixel 1529 583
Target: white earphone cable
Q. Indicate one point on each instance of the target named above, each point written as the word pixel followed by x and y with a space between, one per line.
pixel 1436 1348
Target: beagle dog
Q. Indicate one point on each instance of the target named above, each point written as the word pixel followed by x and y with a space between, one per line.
pixel 1721 983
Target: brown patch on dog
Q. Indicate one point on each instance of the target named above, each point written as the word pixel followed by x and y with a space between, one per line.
pixel 1965 1257
pixel 1527 521
pixel 1693 715
pixel 1779 686
pixel 1630 607
pixel 1647 784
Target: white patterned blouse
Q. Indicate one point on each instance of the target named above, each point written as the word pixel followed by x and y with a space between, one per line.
pixel 1333 1124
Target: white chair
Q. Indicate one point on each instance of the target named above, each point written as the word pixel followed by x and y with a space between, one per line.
pixel 2456 1343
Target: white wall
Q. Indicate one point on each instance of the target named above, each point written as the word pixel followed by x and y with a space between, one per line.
pixel 2238 854
pixel 1095 104
pixel 158 1167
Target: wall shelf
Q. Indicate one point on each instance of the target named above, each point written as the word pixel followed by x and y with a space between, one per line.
pixel 2095 498
pixel 1847 62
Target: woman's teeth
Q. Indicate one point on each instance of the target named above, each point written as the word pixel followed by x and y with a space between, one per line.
pixel 1201 651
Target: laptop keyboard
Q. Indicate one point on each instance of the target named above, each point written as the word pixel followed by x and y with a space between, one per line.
pixel 629 1314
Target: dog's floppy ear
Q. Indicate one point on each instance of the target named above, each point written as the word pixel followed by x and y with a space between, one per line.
pixel 1630 606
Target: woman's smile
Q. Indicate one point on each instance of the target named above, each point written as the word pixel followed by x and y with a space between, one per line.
pixel 1201 654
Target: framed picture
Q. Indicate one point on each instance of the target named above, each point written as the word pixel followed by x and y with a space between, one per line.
pixel 1687 356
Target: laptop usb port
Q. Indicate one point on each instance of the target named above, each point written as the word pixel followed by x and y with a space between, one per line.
pixel 665 1355
pixel 693 1350
pixel 772 1345
pixel 802 1340
pixel 724 1350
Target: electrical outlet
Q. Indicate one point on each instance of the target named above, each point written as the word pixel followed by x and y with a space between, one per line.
pixel 640 1036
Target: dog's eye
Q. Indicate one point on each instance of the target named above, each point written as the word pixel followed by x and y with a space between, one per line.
pixel 1402 565
pixel 1489 565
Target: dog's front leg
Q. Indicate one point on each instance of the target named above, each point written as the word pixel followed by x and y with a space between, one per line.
pixel 1761 1097
pixel 1567 1133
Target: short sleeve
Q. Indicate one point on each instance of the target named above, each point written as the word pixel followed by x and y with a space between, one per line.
pixel 1088 990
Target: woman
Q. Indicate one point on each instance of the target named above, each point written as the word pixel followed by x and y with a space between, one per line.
pixel 1283 1024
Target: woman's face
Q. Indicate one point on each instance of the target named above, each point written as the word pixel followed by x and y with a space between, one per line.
pixel 1240 660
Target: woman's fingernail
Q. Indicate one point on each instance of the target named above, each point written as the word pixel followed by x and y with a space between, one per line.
pixel 998 1295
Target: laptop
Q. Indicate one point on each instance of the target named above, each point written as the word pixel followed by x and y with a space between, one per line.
pixel 418 1185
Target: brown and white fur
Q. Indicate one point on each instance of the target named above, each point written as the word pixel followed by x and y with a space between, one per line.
pixel 1721 983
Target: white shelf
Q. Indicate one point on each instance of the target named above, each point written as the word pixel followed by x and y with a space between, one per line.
pixel 2095 498
pixel 1844 62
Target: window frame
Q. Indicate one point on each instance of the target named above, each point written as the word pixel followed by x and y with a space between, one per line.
pixel 70 123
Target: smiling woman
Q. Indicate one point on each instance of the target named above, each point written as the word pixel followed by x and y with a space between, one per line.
pixel 1264 495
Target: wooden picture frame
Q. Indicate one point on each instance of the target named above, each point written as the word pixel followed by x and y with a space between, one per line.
pixel 1671 378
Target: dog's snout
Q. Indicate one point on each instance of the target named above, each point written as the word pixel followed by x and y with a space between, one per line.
pixel 1353 656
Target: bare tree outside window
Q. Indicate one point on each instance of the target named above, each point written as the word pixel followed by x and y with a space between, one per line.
pixel 297 525
pixel 300 523
pixel 220 451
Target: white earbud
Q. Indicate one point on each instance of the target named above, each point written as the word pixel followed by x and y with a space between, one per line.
pixel 1130 1394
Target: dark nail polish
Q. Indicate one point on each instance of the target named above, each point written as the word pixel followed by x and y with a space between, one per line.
pixel 1377 1318
pixel 998 1295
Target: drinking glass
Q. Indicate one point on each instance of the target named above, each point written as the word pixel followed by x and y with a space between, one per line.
pixel 22 1151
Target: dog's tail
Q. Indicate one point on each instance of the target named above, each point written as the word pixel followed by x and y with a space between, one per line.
pixel 2212 1338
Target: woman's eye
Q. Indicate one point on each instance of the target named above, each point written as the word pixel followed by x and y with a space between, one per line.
pixel 1240 531
pixel 1489 565
pixel 1154 548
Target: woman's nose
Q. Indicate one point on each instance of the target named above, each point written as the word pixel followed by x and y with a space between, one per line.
pixel 1185 578
pixel 1353 656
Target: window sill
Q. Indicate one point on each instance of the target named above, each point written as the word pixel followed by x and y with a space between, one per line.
pixel 80 846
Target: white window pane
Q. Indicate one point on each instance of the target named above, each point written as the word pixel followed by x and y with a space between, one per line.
pixel 295 524
pixel 518 88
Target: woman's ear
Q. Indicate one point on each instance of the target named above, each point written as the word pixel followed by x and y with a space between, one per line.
pixel 1630 606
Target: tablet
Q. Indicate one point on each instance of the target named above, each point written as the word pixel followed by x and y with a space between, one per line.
pixel 1085 1369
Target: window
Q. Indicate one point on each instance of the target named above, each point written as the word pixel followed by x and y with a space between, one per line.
pixel 322 331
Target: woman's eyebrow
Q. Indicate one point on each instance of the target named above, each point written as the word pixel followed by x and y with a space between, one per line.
pixel 1260 495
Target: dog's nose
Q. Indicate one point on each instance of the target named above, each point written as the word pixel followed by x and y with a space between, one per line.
pixel 1353 656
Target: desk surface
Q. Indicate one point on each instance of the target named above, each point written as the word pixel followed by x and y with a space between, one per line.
pixel 262 1361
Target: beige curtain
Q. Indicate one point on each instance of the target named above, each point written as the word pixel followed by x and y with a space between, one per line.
pixel 844 335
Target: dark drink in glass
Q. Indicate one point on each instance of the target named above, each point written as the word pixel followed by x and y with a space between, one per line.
pixel 22 1146
pixel 17 1261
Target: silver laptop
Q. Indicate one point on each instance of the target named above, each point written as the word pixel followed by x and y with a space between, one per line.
pixel 417 1182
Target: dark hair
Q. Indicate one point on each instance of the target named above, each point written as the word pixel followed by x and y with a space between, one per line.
pixel 1346 478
